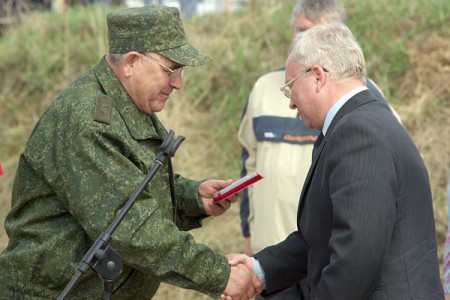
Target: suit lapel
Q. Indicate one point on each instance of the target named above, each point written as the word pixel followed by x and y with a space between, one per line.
pixel 357 100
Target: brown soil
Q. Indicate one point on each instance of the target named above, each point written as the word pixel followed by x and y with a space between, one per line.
pixel 425 106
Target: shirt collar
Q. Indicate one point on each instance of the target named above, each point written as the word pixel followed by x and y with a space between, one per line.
pixel 337 106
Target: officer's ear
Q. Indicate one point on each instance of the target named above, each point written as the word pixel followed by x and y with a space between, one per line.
pixel 129 61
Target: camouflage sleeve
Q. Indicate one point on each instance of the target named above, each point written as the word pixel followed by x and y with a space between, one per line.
pixel 99 173
pixel 190 210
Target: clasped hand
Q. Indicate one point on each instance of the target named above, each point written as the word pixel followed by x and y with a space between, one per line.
pixel 243 282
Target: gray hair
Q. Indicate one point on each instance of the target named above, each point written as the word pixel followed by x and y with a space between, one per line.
pixel 115 59
pixel 332 46
pixel 318 11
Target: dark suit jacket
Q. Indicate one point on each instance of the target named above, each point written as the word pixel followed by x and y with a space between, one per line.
pixel 365 220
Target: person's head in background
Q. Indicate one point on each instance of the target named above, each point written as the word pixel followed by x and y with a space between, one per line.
pixel 309 13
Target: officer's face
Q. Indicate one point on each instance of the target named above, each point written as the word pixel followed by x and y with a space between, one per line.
pixel 153 81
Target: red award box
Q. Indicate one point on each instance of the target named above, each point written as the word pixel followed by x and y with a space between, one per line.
pixel 237 186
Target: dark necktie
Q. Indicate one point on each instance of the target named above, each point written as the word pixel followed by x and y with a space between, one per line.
pixel 316 146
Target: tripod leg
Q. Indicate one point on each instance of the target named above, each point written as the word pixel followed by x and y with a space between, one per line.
pixel 108 288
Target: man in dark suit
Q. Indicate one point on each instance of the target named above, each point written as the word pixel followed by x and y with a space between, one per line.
pixel 365 219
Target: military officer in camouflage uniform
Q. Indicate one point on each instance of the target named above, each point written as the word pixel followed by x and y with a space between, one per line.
pixel 89 152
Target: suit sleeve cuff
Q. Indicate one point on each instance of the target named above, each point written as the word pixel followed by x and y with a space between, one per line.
pixel 258 270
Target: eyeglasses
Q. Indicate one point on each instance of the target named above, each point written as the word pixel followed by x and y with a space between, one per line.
pixel 173 73
pixel 286 89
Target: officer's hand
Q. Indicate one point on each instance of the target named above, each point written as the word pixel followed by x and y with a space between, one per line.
pixel 207 190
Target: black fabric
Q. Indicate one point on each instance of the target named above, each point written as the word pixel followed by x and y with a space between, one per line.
pixel 316 146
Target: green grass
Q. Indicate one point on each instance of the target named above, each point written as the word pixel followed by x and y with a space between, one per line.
pixel 39 57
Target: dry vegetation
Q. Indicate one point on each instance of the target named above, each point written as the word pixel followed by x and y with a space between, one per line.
pixel 425 94
pixel 413 69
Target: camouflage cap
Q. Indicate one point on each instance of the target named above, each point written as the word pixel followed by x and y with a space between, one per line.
pixel 152 28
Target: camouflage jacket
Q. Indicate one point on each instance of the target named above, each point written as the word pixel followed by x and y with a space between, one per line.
pixel 86 156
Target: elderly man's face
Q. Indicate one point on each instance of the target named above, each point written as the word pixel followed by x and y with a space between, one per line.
pixel 151 83
pixel 303 24
pixel 305 96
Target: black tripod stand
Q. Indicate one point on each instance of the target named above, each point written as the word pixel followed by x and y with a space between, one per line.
pixel 101 258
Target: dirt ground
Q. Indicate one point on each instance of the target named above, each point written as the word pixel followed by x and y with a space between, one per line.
pixel 424 94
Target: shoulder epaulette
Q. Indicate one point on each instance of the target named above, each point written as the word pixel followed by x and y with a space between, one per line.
pixel 104 109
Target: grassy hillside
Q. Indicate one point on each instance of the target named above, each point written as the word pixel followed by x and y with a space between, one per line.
pixel 406 43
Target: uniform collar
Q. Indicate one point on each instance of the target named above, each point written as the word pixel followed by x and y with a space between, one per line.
pixel 140 125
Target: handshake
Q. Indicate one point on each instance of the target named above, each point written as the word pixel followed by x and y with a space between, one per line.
pixel 243 282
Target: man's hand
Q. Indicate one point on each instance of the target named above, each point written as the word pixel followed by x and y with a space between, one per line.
pixel 207 190
pixel 235 259
pixel 238 260
pixel 243 284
